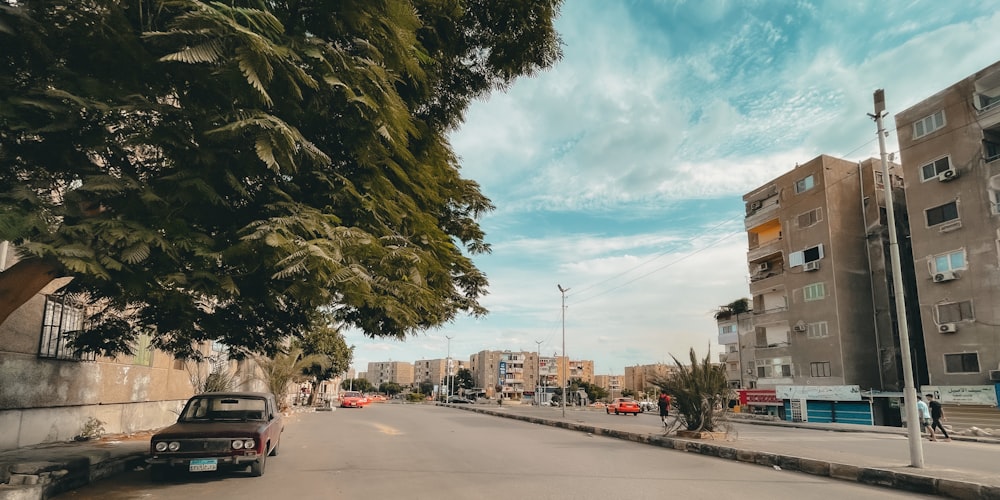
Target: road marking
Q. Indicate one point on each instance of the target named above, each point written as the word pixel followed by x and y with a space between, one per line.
pixel 385 429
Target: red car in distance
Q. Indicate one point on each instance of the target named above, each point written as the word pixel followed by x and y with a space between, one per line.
pixel 624 405
pixel 353 399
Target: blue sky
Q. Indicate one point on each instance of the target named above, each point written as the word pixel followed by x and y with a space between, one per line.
pixel 619 173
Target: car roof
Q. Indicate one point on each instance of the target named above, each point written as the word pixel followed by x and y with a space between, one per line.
pixel 245 394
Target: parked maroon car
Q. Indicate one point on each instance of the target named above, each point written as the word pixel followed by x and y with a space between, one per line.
pixel 219 430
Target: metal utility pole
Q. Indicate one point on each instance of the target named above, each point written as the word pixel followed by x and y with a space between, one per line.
pixel 909 391
pixel 538 371
pixel 447 375
pixel 565 381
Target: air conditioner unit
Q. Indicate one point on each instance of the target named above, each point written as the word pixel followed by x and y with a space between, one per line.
pixel 947 175
pixel 947 328
pixel 944 276
pixel 811 266
pixel 995 375
pixel 800 328
pixel 763 266
pixel 755 205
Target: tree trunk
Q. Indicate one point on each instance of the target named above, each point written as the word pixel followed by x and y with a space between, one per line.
pixel 22 281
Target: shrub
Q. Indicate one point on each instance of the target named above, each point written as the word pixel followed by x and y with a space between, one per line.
pixel 699 393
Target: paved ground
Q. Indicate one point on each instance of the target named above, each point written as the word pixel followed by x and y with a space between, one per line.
pixel 44 471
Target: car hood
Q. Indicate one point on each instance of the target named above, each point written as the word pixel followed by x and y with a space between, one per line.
pixel 210 429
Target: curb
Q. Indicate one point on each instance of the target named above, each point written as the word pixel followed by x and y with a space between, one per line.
pixel 900 480
pixel 40 480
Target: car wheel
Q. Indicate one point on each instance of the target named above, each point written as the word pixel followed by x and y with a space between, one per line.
pixel 608 411
pixel 257 468
pixel 616 412
pixel 159 473
pixel 274 451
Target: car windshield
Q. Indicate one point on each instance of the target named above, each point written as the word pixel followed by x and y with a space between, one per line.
pixel 350 394
pixel 224 407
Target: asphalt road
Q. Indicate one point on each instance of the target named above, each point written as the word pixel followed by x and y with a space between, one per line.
pixel 429 452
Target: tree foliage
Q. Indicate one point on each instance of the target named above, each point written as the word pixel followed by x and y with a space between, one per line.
pixel 220 171
pixel 390 388
pixel 699 392
pixel 734 308
pixel 356 384
pixel 463 380
pixel 284 368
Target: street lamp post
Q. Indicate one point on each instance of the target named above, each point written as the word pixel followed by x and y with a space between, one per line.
pixel 909 389
pixel 565 381
pixel 538 371
pixel 447 375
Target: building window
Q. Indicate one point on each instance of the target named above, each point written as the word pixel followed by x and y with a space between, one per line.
pixel 819 369
pixel 774 367
pixel 143 352
pixel 928 124
pixel 803 185
pixel 934 168
pixel 816 330
pixel 810 218
pixel 966 362
pixel 727 329
pixel 953 312
pixel 807 255
pixel 941 214
pixel 951 261
pixel 61 317
pixel 815 291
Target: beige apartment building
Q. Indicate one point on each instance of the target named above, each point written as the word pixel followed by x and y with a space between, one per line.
pixel 399 372
pixel 950 149
pixel 818 263
pixel 638 378
pixel 430 370
pixel 519 375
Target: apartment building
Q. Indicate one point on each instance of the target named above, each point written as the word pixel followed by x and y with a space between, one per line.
pixel 818 262
pixel 736 336
pixel 611 383
pixel 520 374
pixel 638 378
pixel 399 372
pixel 431 370
pixel 950 149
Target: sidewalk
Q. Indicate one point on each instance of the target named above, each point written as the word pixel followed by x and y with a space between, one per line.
pixel 791 455
pixel 40 472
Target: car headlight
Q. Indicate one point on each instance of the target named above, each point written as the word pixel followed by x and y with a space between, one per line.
pixel 161 446
pixel 243 444
pixel 174 446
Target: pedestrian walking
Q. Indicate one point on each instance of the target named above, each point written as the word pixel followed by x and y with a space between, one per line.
pixel 937 415
pixel 664 405
pixel 924 416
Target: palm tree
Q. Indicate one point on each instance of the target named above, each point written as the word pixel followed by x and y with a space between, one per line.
pixel 699 392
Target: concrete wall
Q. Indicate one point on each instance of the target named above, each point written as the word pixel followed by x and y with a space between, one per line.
pixel 45 425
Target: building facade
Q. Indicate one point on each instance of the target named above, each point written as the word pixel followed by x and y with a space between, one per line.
pixel 821 306
pixel 399 372
pixel 48 393
pixel 638 379
pixel 950 149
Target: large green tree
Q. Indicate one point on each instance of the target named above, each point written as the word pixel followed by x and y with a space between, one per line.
pixel 223 170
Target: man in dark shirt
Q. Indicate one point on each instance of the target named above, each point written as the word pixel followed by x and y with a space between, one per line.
pixel 937 415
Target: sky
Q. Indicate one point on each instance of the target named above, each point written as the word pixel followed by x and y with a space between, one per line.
pixel 618 174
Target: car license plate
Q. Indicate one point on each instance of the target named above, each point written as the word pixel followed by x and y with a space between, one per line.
pixel 202 465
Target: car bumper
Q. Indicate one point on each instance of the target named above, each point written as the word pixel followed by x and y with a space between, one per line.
pixel 221 462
